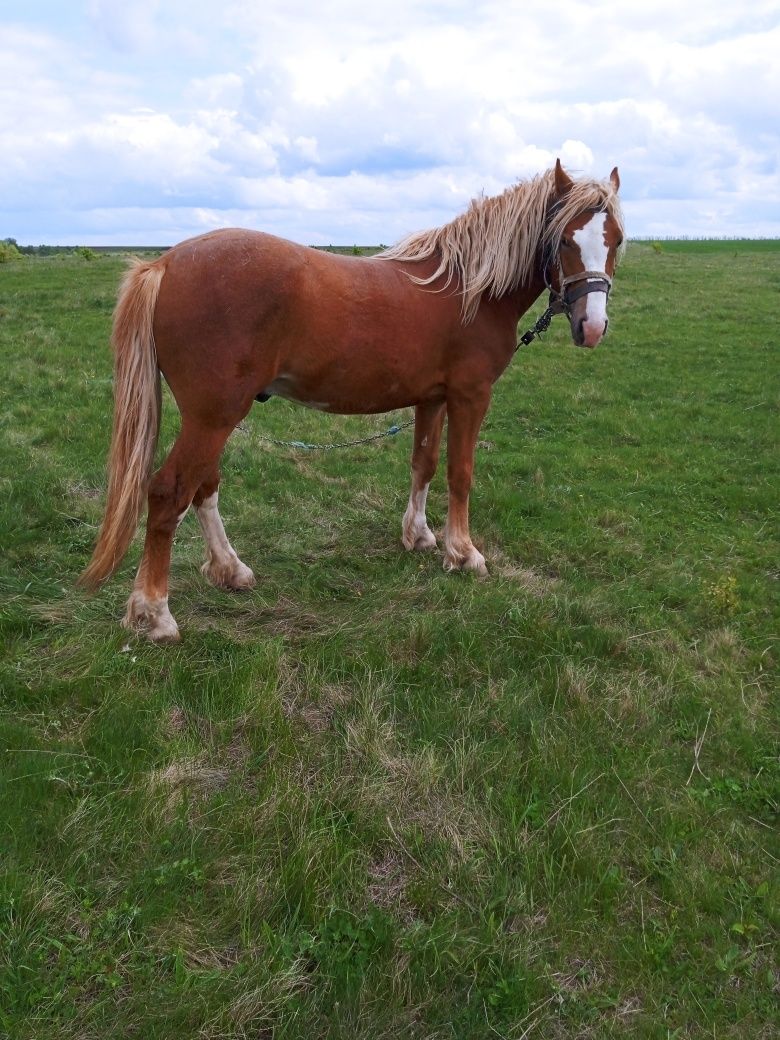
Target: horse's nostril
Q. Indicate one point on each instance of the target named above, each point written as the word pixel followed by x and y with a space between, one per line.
pixel 579 332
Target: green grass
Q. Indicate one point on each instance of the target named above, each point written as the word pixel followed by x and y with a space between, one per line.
pixel 369 799
pixel 722 246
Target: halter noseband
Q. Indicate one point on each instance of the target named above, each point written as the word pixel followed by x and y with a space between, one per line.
pixel 592 281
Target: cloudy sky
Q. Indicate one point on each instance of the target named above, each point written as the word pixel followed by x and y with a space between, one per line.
pixel 357 121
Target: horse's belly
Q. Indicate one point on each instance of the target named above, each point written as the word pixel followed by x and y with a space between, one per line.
pixel 352 388
pixel 350 397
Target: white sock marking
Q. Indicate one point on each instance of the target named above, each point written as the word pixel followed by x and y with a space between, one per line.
pixel 217 545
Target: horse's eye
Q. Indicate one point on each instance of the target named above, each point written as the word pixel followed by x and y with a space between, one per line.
pixel 566 243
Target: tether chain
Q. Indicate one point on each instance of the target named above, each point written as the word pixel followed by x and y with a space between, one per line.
pixel 339 444
pixel 541 326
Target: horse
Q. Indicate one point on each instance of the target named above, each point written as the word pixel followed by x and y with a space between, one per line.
pixel 235 316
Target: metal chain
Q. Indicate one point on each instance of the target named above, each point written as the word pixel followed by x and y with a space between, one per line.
pixel 541 326
pixel 339 444
pixel 556 306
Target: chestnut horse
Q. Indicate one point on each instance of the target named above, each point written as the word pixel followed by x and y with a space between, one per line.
pixel 233 315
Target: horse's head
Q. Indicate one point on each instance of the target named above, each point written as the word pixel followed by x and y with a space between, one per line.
pixel 586 234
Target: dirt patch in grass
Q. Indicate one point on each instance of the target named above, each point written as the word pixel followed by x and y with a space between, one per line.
pixel 388 883
pixel 192 778
pixel 411 789
pixel 79 490
pixel 529 580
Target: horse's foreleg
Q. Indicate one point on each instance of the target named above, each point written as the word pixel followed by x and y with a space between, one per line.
pixel 428 422
pixel 464 418
pixel 194 455
pixel 223 568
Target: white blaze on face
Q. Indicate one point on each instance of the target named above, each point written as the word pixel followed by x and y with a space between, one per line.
pixel 593 252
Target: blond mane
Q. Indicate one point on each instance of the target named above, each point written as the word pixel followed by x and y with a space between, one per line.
pixel 493 246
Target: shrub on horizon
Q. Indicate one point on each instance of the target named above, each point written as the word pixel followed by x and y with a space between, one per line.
pixel 8 251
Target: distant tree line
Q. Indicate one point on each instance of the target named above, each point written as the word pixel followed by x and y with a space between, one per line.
pixel 12 249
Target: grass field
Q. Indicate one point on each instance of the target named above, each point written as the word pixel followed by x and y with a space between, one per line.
pixel 371 800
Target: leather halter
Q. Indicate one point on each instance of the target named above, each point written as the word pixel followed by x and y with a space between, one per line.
pixel 593 281
pixel 561 302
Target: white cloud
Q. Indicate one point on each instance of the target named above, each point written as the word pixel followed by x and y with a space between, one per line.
pixel 351 123
pixel 125 26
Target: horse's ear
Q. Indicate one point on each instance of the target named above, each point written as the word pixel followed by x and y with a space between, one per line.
pixel 563 182
pixel 615 179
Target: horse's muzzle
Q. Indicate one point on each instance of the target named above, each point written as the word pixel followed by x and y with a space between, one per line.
pixel 589 333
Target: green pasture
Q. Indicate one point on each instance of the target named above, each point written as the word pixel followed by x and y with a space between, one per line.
pixel 372 800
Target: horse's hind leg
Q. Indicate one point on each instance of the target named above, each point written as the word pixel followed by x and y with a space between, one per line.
pixel 193 457
pixel 428 423
pixel 222 567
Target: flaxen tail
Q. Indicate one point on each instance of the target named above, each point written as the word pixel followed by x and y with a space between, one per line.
pixel 136 418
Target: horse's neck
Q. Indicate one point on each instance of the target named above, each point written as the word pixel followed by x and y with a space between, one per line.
pixel 526 293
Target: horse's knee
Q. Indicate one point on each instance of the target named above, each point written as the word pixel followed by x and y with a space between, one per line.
pixel 168 501
pixel 423 472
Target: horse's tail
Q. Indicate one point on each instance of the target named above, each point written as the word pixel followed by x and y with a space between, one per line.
pixel 136 418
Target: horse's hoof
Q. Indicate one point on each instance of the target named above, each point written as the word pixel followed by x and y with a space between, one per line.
pixel 168 633
pixel 423 542
pixel 426 542
pixel 476 564
pixel 165 632
pixel 233 575
pixel 152 619
pixel 473 561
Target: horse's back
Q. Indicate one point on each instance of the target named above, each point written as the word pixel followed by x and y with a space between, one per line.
pixel 235 284
pixel 241 272
pixel 221 268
